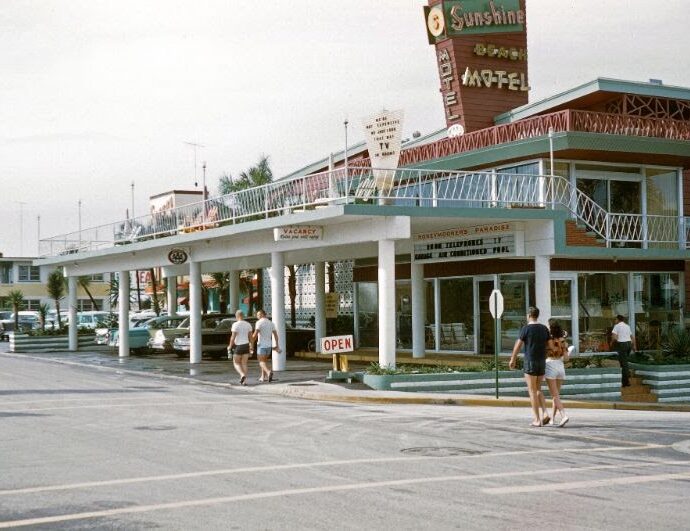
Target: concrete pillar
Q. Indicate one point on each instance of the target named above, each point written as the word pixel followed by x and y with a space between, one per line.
pixel 123 320
pixel 386 281
pixel 542 286
pixel 194 312
pixel 320 308
pixel 171 289
pixel 72 308
pixel 233 291
pixel 418 309
pixel 277 274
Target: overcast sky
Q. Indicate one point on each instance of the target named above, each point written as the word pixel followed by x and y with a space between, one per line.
pixel 97 94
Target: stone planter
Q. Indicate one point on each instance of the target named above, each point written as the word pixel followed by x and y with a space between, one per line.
pixel 580 383
pixel 670 383
pixel 26 343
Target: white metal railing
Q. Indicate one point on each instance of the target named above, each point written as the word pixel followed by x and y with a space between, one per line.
pixel 402 187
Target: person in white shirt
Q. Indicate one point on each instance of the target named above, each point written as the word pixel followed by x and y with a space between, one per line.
pixel 267 336
pixel 625 342
pixel 240 342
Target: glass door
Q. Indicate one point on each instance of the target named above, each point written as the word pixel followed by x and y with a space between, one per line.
pixel 485 325
pixel 563 302
pixel 516 303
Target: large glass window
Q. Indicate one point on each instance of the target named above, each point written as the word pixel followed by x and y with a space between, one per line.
pixel 403 314
pixel 368 314
pixel 5 273
pixel 657 304
pixel 518 296
pixel 520 185
pixel 662 200
pixel 29 273
pixel 457 314
pixel 561 307
pixel 602 297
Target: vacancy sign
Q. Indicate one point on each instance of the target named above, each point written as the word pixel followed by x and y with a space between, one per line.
pixel 298 232
pixel 336 344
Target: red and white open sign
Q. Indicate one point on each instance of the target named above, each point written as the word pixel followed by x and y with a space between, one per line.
pixel 336 344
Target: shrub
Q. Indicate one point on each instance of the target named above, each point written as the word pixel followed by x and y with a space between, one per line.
pixel 676 348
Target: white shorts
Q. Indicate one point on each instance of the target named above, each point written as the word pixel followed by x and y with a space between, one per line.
pixel 555 370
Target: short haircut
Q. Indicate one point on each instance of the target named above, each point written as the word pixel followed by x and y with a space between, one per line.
pixel 260 311
pixel 239 314
pixel 620 318
pixel 533 312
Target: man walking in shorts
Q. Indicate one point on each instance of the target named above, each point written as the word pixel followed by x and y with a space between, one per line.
pixel 266 333
pixel 239 346
pixel 534 336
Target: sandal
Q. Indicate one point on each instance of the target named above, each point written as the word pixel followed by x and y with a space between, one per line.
pixel 536 425
pixel 546 420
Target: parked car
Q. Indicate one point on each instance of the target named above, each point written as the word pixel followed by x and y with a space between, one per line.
pixel 140 335
pixel 215 336
pixel 28 320
pixel 163 338
pixel 299 339
pixel 91 320
pixel 103 331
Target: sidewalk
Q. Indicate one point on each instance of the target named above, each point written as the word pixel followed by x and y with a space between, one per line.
pixel 303 379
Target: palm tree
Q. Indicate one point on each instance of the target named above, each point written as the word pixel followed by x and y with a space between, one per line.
pixel 56 291
pixel 292 291
pixel 85 282
pixel 154 297
pixel 43 310
pixel 16 299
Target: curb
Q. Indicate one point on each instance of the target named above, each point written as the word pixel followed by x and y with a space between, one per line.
pixel 294 391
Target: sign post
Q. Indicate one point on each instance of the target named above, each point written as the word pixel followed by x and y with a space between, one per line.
pixel 496 309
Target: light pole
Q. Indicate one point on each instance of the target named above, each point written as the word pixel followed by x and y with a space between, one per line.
pixel 195 146
pixel 38 235
pixel 132 200
pixel 347 172
pixel 79 208
pixel 203 192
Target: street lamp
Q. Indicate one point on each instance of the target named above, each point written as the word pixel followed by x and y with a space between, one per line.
pixel 347 172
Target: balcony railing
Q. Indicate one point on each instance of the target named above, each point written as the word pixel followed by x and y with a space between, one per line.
pixel 402 187
pixel 537 126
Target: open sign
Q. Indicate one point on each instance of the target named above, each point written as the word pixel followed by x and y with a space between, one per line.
pixel 336 344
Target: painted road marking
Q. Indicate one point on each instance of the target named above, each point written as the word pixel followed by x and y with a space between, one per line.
pixel 591 484
pixel 206 473
pixel 332 488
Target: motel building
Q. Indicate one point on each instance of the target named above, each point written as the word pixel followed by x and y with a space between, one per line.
pixel 574 203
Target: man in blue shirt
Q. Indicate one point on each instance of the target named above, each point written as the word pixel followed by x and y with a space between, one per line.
pixel 534 336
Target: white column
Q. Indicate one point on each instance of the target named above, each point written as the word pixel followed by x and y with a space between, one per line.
pixel 72 308
pixel 320 308
pixel 277 274
pixel 542 286
pixel 386 280
pixel 171 288
pixel 233 291
pixel 194 312
pixel 123 320
pixel 418 309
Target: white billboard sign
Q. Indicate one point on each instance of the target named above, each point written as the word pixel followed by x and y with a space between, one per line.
pixel 383 132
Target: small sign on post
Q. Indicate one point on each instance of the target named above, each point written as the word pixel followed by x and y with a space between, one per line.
pixel 338 345
pixel 496 309
pixel 332 305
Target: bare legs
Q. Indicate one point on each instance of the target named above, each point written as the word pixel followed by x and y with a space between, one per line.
pixel 265 371
pixel 536 397
pixel 240 362
pixel 555 390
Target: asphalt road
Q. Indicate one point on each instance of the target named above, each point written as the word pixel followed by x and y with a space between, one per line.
pixel 83 448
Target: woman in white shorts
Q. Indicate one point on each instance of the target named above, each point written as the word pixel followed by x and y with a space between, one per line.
pixel 557 354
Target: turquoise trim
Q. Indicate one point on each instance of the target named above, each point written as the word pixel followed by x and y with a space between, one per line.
pixel 598 85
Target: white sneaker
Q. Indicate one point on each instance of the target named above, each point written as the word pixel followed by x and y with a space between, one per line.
pixel 563 422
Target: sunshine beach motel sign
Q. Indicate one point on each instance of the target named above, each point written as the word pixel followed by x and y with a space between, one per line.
pixel 481 54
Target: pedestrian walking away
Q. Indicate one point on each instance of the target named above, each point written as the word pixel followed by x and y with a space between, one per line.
pixel 557 354
pixel 265 336
pixel 240 347
pixel 625 343
pixel 534 336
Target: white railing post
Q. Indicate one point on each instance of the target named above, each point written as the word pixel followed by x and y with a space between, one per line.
pixel 419 184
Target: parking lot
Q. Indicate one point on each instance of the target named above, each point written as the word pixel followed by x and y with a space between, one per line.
pixel 99 448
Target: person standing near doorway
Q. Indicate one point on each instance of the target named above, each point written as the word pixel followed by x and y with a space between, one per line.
pixel 534 336
pixel 239 341
pixel 625 343
pixel 266 333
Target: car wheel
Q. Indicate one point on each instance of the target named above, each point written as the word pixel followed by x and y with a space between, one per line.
pixel 311 346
